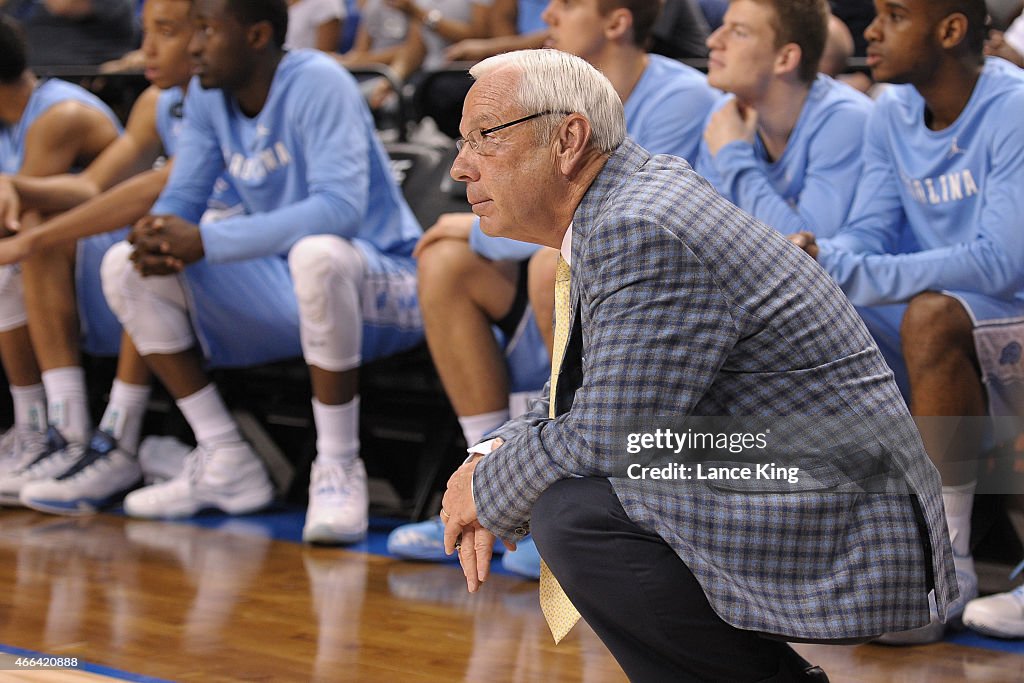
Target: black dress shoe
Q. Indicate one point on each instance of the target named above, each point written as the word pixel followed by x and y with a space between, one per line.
pixel 814 674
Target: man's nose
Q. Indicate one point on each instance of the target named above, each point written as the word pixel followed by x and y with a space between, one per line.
pixel 871 32
pixel 463 170
pixel 714 40
pixel 195 43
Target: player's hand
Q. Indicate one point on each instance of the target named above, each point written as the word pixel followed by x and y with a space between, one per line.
pixel 165 244
pixel 449 226
pixel 378 97
pixel 807 242
pixel 996 46
pixel 732 122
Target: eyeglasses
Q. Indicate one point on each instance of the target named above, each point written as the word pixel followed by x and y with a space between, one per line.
pixel 480 142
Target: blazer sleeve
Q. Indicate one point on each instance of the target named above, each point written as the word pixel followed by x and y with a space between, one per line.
pixel 656 330
pixel 538 411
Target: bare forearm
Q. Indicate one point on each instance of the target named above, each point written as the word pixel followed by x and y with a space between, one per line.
pixel 121 205
pixel 454 31
pixel 501 44
pixel 353 59
pixel 408 60
pixel 52 194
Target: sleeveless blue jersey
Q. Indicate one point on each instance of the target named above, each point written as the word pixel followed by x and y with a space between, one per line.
pixel 47 94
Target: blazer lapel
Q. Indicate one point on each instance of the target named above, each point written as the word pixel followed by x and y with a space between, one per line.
pixel 624 161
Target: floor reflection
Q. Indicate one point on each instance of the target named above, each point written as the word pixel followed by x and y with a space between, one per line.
pixel 225 602
pixel 509 638
pixel 183 602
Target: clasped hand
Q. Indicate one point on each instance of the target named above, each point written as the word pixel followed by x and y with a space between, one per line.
pixel 806 241
pixel 164 245
pixel 462 530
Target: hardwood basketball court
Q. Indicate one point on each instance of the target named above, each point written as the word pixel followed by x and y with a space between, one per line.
pixel 138 600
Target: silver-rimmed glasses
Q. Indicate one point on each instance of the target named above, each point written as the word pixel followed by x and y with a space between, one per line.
pixel 479 139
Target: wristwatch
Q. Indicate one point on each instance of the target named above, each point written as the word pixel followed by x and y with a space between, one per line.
pixel 432 18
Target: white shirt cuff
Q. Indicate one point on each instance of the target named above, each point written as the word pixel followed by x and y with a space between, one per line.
pixel 482 448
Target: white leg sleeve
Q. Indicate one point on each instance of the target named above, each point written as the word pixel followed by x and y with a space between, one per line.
pixel 153 310
pixel 115 262
pixel 328 273
pixel 12 299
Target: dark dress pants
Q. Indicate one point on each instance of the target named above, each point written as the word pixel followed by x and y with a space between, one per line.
pixel 642 600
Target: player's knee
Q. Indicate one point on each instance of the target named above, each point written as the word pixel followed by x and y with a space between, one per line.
pixel 933 325
pixel 443 270
pixel 319 257
pixel 115 267
pixel 12 300
pixel 322 265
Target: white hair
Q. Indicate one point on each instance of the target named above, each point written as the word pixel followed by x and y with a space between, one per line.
pixel 556 81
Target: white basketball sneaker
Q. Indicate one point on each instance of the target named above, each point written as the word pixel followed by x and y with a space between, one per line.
pixel 19 446
pixel 101 477
pixel 338 503
pixel 162 458
pixel 230 477
pixel 59 456
pixel 1000 615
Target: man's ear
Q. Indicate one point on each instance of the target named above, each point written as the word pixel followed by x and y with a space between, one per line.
pixel 619 23
pixel 572 142
pixel 787 59
pixel 952 30
pixel 260 35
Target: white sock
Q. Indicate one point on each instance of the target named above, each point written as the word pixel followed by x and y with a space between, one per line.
pixel 474 427
pixel 958 501
pixel 30 406
pixel 68 405
pixel 209 418
pixel 123 417
pixel 337 431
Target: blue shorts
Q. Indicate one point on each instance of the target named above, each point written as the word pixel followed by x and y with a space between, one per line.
pixel 526 356
pixel 245 313
pixel 101 330
pixel 998 341
pixel 392 321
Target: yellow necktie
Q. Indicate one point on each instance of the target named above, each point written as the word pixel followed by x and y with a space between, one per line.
pixel 554 603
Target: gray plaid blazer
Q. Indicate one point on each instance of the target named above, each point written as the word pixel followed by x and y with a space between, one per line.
pixel 685 305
